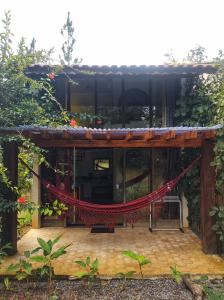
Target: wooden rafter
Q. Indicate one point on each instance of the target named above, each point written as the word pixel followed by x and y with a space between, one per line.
pixel 129 136
pixel 89 135
pixel 148 135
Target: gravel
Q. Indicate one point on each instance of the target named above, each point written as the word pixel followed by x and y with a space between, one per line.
pixel 136 289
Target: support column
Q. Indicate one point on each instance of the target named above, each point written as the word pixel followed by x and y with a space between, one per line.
pixel 185 211
pixel 36 195
pixel 9 219
pixel 208 198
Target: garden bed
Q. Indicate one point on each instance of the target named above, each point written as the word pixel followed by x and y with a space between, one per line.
pixel 153 289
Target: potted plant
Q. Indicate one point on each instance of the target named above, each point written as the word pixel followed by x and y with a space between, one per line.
pixel 54 214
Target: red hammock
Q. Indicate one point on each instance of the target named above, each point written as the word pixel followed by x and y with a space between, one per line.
pixel 109 215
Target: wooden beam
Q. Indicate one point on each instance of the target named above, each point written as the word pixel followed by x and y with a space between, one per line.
pixel 89 135
pixel 177 143
pixel 108 137
pixel 129 136
pixel 169 135
pixel 209 134
pixel 148 135
pixel 190 135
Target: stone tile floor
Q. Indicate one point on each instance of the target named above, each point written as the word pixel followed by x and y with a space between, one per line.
pixel 164 248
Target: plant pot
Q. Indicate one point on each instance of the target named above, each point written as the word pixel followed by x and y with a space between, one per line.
pixel 53 221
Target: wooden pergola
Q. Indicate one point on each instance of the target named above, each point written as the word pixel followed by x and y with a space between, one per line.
pixel 79 137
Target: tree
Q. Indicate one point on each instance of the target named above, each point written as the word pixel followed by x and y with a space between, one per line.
pixel 67 32
pixel 197 55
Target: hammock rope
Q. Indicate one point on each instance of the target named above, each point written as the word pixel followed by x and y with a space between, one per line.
pixel 91 213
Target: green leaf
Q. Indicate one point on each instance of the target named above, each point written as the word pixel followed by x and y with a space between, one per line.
pixel 87 260
pixel 47 249
pixel 36 250
pixel 130 254
pixel 58 253
pixel 27 253
pixel 13 267
pixel 80 263
pixel 56 239
pixel 95 265
pixel 39 258
pixel 80 274
pixel 21 275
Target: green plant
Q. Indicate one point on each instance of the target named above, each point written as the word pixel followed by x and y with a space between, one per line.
pixel 48 256
pixel 6 283
pixel 23 269
pixel 90 269
pixel 3 251
pixel 55 208
pixel 212 294
pixel 218 213
pixel 176 274
pixel 141 259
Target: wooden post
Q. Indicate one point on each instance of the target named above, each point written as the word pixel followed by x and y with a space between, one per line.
pixel 9 220
pixel 36 194
pixel 208 198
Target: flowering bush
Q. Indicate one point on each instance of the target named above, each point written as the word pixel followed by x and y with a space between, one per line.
pixel 51 76
pixel 21 200
pixel 73 123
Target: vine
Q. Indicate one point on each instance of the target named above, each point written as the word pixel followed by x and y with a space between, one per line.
pixel 203 105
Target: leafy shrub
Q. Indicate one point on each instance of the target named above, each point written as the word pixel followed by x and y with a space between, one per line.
pixel 23 268
pixel 218 213
pixel 3 251
pixel 48 256
pixel 55 208
pixel 141 259
pixel 90 269
pixel 176 274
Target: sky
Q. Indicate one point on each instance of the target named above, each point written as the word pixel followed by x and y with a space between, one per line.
pixel 122 32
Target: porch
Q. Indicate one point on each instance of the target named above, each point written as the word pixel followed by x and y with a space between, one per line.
pixel 163 248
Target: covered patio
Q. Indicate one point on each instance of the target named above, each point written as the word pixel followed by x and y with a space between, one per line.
pixel 145 242
pixel 163 248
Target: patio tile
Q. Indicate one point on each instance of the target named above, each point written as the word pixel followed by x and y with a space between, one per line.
pixel 163 248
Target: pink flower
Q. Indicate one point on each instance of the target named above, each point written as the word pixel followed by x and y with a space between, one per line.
pixel 21 200
pixel 73 123
pixel 51 76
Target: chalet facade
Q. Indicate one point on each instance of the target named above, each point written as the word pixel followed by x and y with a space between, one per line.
pixel 130 146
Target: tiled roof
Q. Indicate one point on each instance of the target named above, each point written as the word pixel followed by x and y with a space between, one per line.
pixel 99 131
pixel 66 136
pixel 124 70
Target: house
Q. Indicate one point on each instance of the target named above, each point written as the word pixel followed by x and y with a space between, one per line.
pixel 131 145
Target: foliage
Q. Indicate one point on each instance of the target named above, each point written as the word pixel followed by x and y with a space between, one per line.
pixel 202 105
pixel 141 259
pixel 90 269
pixel 176 274
pixel 218 213
pixel 6 283
pixel 3 251
pixel 197 55
pixel 23 269
pixel 47 256
pixel 212 294
pixel 55 208
pixel 67 32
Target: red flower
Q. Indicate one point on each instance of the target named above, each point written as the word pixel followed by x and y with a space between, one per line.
pixel 73 123
pixel 51 76
pixel 21 200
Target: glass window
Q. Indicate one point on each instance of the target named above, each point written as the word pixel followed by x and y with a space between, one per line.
pixel 101 164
